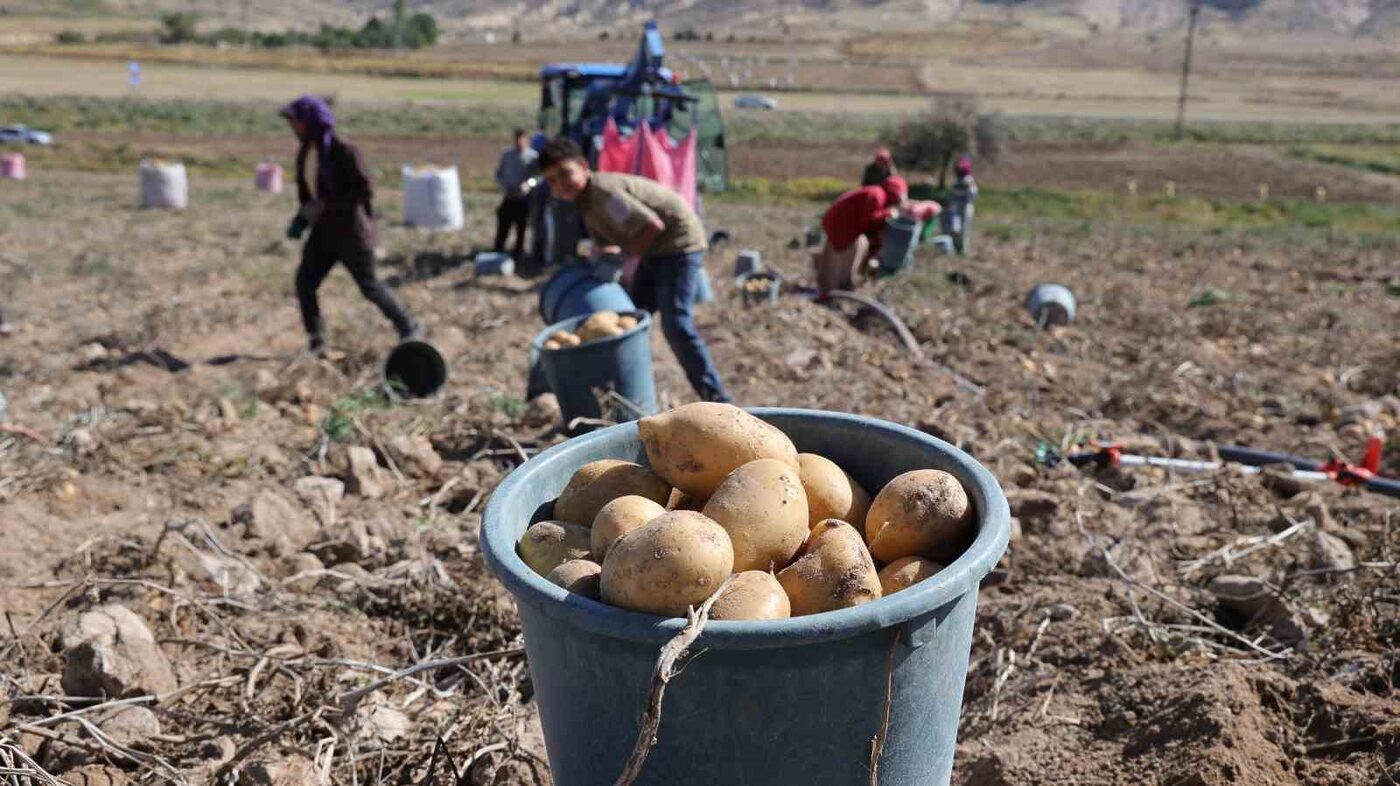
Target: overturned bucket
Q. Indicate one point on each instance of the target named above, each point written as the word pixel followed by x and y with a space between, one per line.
pixel 578 375
pixel 897 245
pixel 414 369
pixel 494 263
pixel 1051 304
pixel 770 703
pixel 574 292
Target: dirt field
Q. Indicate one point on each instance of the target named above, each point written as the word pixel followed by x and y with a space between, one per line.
pixel 1101 657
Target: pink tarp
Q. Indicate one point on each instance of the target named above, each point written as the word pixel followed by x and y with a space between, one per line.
pixel 651 155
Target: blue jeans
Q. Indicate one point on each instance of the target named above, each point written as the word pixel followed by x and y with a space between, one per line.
pixel 670 284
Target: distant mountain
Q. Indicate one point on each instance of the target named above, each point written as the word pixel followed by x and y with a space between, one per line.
pixel 543 18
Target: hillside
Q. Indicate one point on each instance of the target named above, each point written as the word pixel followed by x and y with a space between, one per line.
pixel 549 18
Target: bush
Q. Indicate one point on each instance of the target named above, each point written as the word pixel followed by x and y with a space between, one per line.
pixel 179 27
pixel 71 37
pixel 931 140
pixel 420 31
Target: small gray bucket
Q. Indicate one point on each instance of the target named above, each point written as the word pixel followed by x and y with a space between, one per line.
pixel 1050 304
pixel 494 263
pixel 792 702
pixel 767 295
pixel 619 363
pixel 748 261
pixel 897 247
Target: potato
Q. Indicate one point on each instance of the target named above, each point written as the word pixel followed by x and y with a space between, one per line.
pixel 764 509
pixel 831 492
pixel 598 320
pixel 834 572
pixel 597 483
pixel 561 336
pixel 682 501
pixel 906 572
pixel 619 517
pixel 675 561
pixel 752 595
pixel 626 321
pixel 920 513
pixel 552 344
pixel 695 447
pixel 548 543
pixel 593 334
pixel 579 576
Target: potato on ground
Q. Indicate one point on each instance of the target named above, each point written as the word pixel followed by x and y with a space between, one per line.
pixel 548 543
pixel 905 572
pixel 597 483
pixel 667 565
pixel 764 509
pixel 834 572
pixel 924 513
pixel 831 492
pixel 695 446
pixel 619 517
pixel 579 576
pixel 752 595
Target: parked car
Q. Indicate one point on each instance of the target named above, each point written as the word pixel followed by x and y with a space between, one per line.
pixel 755 102
pixel 24 135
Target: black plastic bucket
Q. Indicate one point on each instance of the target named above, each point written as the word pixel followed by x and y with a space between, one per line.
pixel 415 369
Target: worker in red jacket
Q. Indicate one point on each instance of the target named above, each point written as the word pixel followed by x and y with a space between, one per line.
pixel 853 226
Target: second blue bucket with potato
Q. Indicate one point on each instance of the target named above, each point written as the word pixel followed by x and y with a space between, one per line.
pixel 622 364
pixel 792 702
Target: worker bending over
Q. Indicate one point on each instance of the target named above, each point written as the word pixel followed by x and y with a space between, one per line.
pixel 853 226
pixel 629 215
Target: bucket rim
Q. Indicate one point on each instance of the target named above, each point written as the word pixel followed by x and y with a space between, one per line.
pixel 643 323
pixel 918 602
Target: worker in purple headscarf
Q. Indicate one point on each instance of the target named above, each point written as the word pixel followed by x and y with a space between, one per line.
pixel 339 210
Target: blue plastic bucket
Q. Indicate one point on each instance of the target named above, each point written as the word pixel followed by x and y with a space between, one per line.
pixel 1051 304
pixel 618 363
pixel 573 292
pixel 791 702
pixel 897 247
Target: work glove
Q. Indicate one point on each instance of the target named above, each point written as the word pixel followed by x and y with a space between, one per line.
pixel 298 227
pixel 608 268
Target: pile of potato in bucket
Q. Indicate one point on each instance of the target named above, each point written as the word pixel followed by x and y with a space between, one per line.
pixel 727 494
pixel 600 324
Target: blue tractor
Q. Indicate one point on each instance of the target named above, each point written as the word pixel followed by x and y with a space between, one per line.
pixel 576 100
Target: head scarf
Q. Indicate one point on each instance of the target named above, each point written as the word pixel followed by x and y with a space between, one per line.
pixel 315 113
pixel 883 155
pixel 963 167
pixel 897 188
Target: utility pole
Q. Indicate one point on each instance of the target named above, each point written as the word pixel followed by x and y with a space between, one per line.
pixel 1186 67
pixel 400 11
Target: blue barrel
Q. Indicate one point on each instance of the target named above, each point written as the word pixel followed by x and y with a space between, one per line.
pixel 897 246
pixel 573 292
pixel 619 363
pixel 1051 304
pixel 790 702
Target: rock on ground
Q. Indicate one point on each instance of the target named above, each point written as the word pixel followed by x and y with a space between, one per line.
pixel 364 476
pixel 130 726
pixel 109 651
pixel 415 455
pixel 275 520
